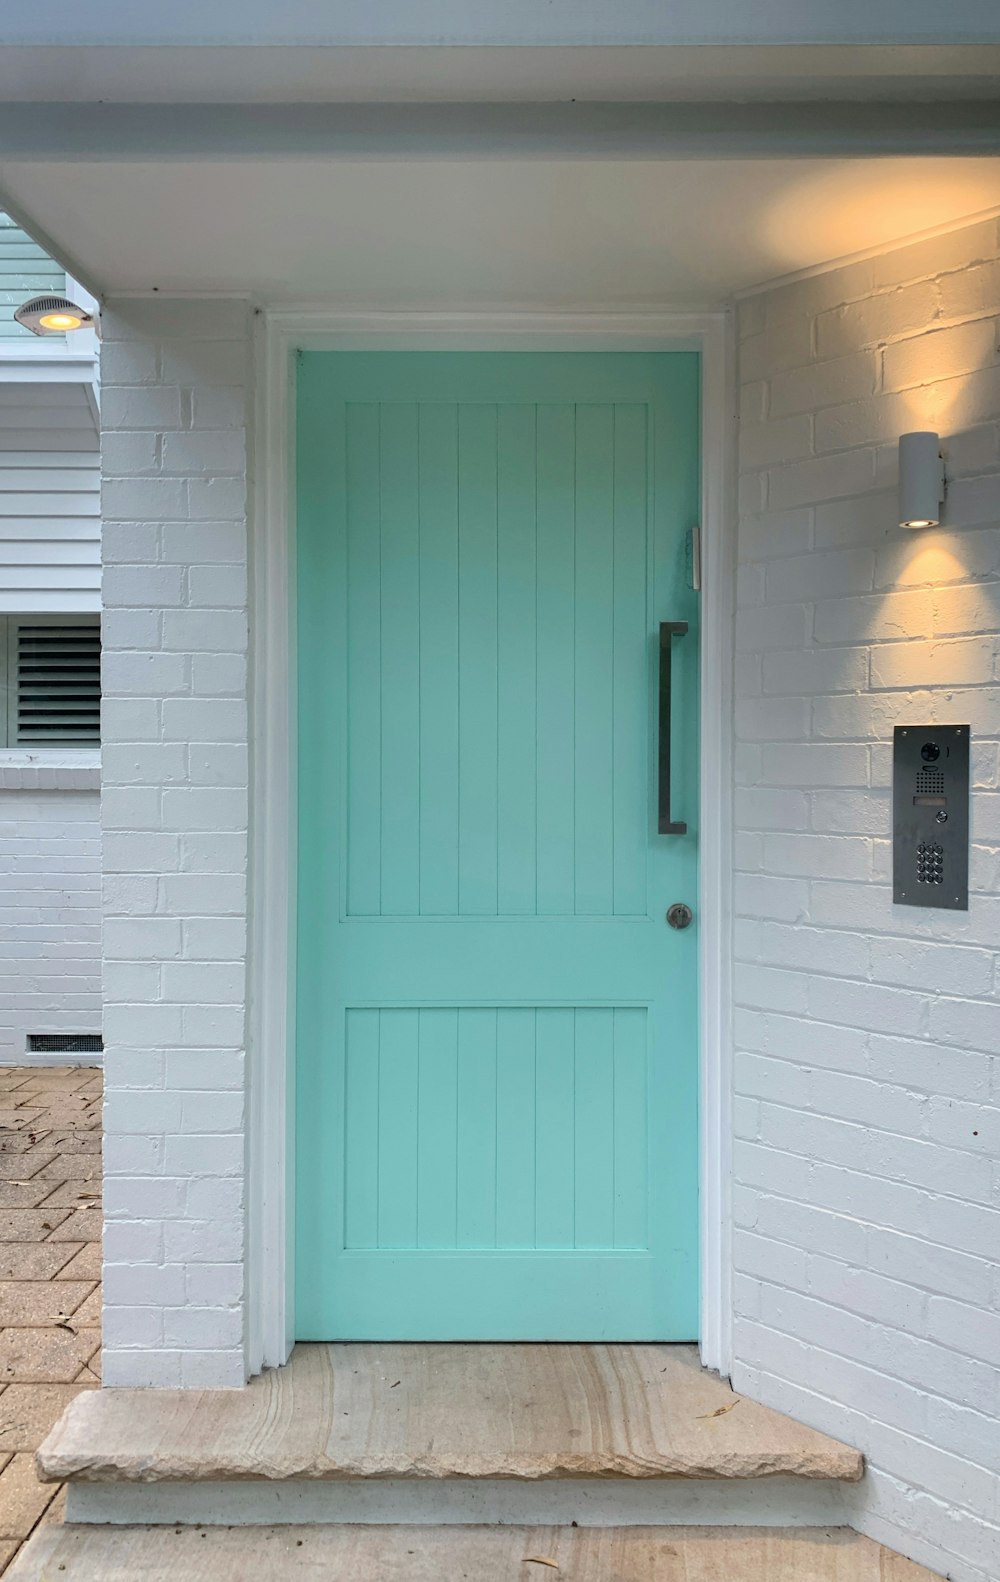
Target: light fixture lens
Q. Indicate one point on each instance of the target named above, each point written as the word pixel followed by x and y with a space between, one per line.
pixel 921 479
pixel 60 321
pixel 53 316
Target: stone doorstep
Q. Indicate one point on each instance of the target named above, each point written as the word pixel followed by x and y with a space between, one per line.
pixel 445 1411
pixel 481 1554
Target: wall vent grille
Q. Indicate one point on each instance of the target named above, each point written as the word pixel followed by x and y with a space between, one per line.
pixel 65 1044
pixel 57 693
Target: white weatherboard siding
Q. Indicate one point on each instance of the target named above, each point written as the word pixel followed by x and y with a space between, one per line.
pixel 868 1035
pixel 50 470
pixel 25 271
pixel 50 917
pixel 50 523
pixel 176 393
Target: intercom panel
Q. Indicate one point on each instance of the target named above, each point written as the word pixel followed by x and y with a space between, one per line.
pixel 930 816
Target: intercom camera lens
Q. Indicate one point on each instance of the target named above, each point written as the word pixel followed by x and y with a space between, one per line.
pixel 930 752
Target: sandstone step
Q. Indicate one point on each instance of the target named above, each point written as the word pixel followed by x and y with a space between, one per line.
pixel 367 1410
pixel 451 1554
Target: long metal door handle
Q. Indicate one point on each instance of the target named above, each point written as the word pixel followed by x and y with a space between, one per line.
pixel 668 631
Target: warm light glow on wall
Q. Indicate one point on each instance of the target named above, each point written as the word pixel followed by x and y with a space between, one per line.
pixel 862 204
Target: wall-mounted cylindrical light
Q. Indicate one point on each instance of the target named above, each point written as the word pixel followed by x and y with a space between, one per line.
pixel 921 480
pixel 53 316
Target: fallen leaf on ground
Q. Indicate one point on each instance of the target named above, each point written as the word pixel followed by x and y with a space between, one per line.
pixel 720 1411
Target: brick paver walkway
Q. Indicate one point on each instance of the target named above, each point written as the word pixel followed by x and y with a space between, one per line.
pixel 50 1267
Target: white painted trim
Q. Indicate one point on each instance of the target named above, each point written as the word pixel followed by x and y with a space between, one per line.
pixel 50 757
pixel 27 365
pixel 272 866
pixel 715 871
pixel 271 896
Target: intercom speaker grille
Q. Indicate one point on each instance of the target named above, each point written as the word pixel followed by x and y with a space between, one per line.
pixel 930 782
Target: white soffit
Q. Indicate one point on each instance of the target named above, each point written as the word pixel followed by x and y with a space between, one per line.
pixel 498 22
pixel 441 233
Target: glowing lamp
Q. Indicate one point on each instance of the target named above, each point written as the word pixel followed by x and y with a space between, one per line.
pixel 53 316
pixel 921 480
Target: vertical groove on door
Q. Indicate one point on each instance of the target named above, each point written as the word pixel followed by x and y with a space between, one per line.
pixel 400 691
pixel 516 1189
pixel 477 500
pixel 631 662
pixel 397 1132
pixel 438 658
pixel 364 663
pixel 361 1130
pixel 631 1120
pixel 516 810
pixel 594 1113
pixel 554 684
pixel 477 1127
pixel 592 657
pixel 437 1126
pixel 554 1128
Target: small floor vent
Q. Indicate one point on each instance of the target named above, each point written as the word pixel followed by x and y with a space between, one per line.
pixel 65 1044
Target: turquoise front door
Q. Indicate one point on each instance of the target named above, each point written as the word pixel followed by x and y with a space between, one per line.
pixel 496 1029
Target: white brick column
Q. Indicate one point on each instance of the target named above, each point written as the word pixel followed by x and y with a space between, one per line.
pixel 176 393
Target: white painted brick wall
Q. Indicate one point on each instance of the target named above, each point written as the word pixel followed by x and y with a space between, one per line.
pixel 50 909
pixel 867 1188
pixel 175 410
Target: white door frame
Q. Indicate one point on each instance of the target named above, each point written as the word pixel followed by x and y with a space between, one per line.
pixel 271 974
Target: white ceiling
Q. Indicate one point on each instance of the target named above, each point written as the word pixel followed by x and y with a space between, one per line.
pixel 443 234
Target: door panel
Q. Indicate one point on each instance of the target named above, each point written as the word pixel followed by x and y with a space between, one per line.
pixel 497 1066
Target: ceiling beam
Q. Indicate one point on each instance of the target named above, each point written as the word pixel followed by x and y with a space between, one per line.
pixel 64 132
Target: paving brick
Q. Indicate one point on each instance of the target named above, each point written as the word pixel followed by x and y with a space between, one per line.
pixel 76 1192
pixel 29 1411
pixel 24 1194
pixel 48 1356
pixel 85 1264
pixel 88 1314
pixel 32 1224
pixel 83 1224
pixel 23 1164
pixel 37 1261
pixel 34 1303
pixel 22 1498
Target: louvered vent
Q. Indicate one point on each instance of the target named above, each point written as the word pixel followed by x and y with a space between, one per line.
pixel 58 691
